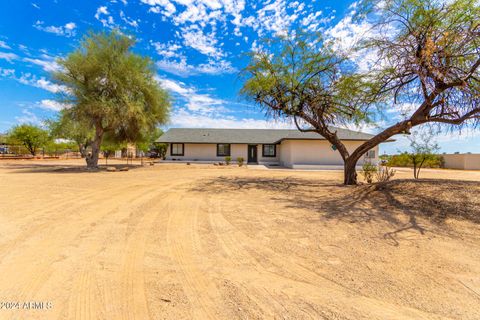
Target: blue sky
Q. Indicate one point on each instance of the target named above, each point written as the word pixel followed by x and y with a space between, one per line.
pixel 198 47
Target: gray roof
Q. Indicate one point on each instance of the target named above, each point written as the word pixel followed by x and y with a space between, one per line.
pixel 253 136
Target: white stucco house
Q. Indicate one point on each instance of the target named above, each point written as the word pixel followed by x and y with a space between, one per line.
pixel 288 148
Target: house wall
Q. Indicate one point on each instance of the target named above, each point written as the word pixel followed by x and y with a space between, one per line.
pixel 208 152
pixel 462 161
pixel 316 152
pixel 288 153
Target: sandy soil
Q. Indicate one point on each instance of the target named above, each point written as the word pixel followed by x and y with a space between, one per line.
pixel 202 242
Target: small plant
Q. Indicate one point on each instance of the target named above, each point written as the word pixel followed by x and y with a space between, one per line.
pixel 368 171
pixel 384 174
pixel 240 161
pixel 228 160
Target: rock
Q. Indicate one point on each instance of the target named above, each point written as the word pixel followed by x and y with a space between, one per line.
pixel 124 169
pixel 111 169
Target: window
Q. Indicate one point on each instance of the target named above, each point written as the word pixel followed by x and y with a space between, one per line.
pixel 370 154
pixel 269 150
pixel 176 149
pixel 223 150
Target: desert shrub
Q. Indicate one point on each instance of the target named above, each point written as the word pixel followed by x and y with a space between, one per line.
pixel 384 174
pixel 240 161
pixel 228 160
pixel 368 171
pixel 405 160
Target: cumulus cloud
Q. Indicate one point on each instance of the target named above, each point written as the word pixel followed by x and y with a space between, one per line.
pixel 206 44
pixel 52 105
pixel 68 30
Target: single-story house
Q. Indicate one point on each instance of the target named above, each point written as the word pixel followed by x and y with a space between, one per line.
pixel 288 148
pixel 463 161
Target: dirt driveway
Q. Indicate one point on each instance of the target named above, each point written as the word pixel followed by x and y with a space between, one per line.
pixel 201 242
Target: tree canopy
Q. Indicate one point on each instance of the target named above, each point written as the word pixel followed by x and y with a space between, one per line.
pixel 112 90
pixel 30 136
pixel 428 56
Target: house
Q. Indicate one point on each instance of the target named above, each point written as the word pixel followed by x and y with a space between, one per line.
pixel 462 161
pixel 288 148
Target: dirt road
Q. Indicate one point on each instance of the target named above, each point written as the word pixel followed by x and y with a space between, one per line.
pixel 200 242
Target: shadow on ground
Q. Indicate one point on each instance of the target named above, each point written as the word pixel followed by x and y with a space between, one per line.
pixel 434 199
pixel 59 168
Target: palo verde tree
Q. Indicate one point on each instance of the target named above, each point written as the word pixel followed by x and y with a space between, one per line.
pixel 30 136
pixel 428 56
pixel 65 127
pixel 423 149
pixel 112 89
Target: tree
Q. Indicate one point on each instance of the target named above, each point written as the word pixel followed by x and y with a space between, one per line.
pixel 30 136
pixel 423 148
pixel 147 142
pixel 112 89
pixel 428 56
pixel 306 81
pixel 66 128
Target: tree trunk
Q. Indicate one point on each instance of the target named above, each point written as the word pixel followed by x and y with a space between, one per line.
pixel 350 172
pixel 92 158
pixel 83 150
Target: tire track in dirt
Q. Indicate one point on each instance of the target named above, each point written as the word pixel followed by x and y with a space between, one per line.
pixel 310 283
pixel 54 212
pixel 133 289
pixel 183 241
pixel 31 277
pixel 130 276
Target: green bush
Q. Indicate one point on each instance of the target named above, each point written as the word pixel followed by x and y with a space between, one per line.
pixel 405 160
pixel 240 161
pixel 228 160
pixel 368 171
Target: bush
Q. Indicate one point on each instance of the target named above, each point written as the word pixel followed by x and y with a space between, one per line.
pixel 368 171
pixel 405 160
pixel 384 174
pixel 228 160
pixel 240 161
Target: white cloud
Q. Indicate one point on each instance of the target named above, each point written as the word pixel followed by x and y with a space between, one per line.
pixel 206 44
pixel 52 105
pixel 48 63
pixel 167 50
pixel 194 101
pixel 103 15
pixel 7 72
pixel 8 56
pixel 28 117
pixel 182 69
pixel 184 118
pixel 164 7
pixel 129 21
pixel 4 45
pixel 68 30
pixel 42 83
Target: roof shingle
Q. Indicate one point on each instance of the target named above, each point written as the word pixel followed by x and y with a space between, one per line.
pixel 252 136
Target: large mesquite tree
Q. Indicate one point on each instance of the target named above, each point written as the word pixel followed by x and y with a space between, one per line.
pixel 112 90
pixel 428 56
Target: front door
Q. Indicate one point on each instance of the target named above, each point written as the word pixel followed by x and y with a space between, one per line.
pixel 252 153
